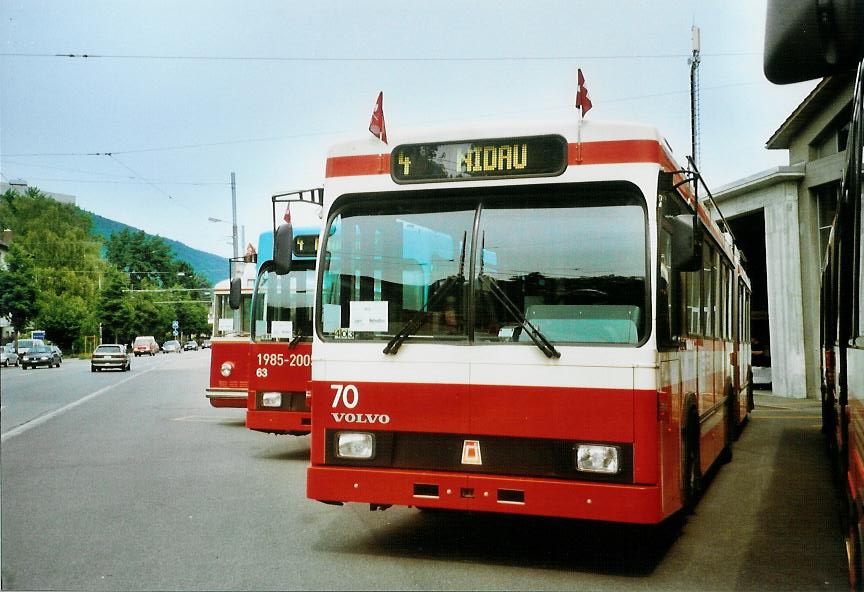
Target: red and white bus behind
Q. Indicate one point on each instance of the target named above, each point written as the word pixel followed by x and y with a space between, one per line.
pixel 229 349
pixel 280 356
pixel 532 318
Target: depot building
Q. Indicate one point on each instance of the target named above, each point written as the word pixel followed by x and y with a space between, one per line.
pixel 781 219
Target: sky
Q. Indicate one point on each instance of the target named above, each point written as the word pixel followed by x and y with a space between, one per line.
pixel 179 94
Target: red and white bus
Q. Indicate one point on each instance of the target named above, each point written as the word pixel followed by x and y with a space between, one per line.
pixel 826 40
pixel 280 355
pixel 526 317
pixel 229 346
pixel 842 333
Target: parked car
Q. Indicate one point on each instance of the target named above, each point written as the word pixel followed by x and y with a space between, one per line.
pixel 8 356
pixel 191 345
pixel 171 347
pixel 205 344
pixel 111 355
pixel 40 355
pixel 145 345
pixel 57 350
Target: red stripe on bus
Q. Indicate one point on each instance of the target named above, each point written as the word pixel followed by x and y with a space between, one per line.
pixel 350 166
pixel 615 151
pixel 607 152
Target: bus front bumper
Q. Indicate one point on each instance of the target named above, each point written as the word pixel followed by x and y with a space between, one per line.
pixel 636 504
pixel 296 423
pixel 234 398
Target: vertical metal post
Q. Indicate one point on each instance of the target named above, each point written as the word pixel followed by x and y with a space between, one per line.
pixel 694 102
pixel 100 297
pixel 234 214
pixel 237 316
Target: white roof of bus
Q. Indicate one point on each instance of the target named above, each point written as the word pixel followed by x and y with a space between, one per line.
pixel 592 131
pixel 247 284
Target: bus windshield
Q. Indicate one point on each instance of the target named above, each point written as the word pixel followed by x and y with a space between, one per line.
pixel 283 305
pixel 571 259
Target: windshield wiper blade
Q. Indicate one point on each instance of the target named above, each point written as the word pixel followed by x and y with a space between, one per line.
pixel 533 332
pixel 295 340
pixel 412 324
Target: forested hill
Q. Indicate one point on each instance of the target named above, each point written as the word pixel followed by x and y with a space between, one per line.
pixel 212 267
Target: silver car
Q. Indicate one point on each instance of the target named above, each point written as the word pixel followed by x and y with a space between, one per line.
pixel 172 347
pixel 111 355
pixel 8 357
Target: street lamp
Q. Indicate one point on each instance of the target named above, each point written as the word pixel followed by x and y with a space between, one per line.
pixel 233 235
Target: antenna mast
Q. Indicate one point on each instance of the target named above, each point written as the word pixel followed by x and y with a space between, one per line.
pixel 694 97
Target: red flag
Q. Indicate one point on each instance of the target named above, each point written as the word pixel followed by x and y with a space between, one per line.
pixel 376 125
pixel 583 102
pixel 287 216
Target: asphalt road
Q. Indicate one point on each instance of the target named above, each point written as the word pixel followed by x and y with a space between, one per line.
pixel 131 481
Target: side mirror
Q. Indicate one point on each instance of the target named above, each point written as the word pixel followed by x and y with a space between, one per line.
pixel 686 243
pixel 235 293
pixel 283 246
pixel 806 39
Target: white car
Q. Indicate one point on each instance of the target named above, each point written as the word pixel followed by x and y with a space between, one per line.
pixel 8 357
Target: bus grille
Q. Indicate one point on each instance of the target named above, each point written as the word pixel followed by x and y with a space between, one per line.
pixel 500 455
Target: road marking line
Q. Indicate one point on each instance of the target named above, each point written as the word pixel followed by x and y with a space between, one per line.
pixel 24 427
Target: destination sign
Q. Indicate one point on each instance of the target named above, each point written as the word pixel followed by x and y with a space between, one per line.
pixel 494 158
pixel 306 245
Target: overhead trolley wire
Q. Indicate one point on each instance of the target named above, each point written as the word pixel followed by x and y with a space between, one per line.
pixel 368 59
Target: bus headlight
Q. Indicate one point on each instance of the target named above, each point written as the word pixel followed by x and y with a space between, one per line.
pixel 596 458
pixel 271 399
pixel 226 369
pixel 360 445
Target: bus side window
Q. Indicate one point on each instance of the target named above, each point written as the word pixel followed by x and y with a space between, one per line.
pixel 669 311
pixel 677 290
pixel 693 303
pixel 708 291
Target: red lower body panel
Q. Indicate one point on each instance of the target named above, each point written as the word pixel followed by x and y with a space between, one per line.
pixel 279 422
pixel 484 493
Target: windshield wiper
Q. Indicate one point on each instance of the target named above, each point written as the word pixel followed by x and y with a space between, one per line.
pixel 295 340
pixel 533 332
pixel 412 324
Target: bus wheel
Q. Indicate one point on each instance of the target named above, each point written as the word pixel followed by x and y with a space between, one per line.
pixel 692 472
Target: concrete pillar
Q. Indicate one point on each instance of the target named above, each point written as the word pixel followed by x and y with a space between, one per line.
pixel 785 300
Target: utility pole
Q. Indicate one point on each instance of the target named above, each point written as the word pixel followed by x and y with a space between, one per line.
pixel 100 296
pixel 237 321
pixel 694 99
pixel 234 215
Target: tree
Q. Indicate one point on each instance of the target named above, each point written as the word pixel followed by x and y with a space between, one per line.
pixel 64 258
pixel 60 289
pixel 115 308
pixel 18 289
pixel 62 319
pixel 145 258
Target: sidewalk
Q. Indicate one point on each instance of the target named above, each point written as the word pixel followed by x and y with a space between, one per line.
pixel 765 400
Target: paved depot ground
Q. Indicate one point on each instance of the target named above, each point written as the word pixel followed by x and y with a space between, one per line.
pixel 146 487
